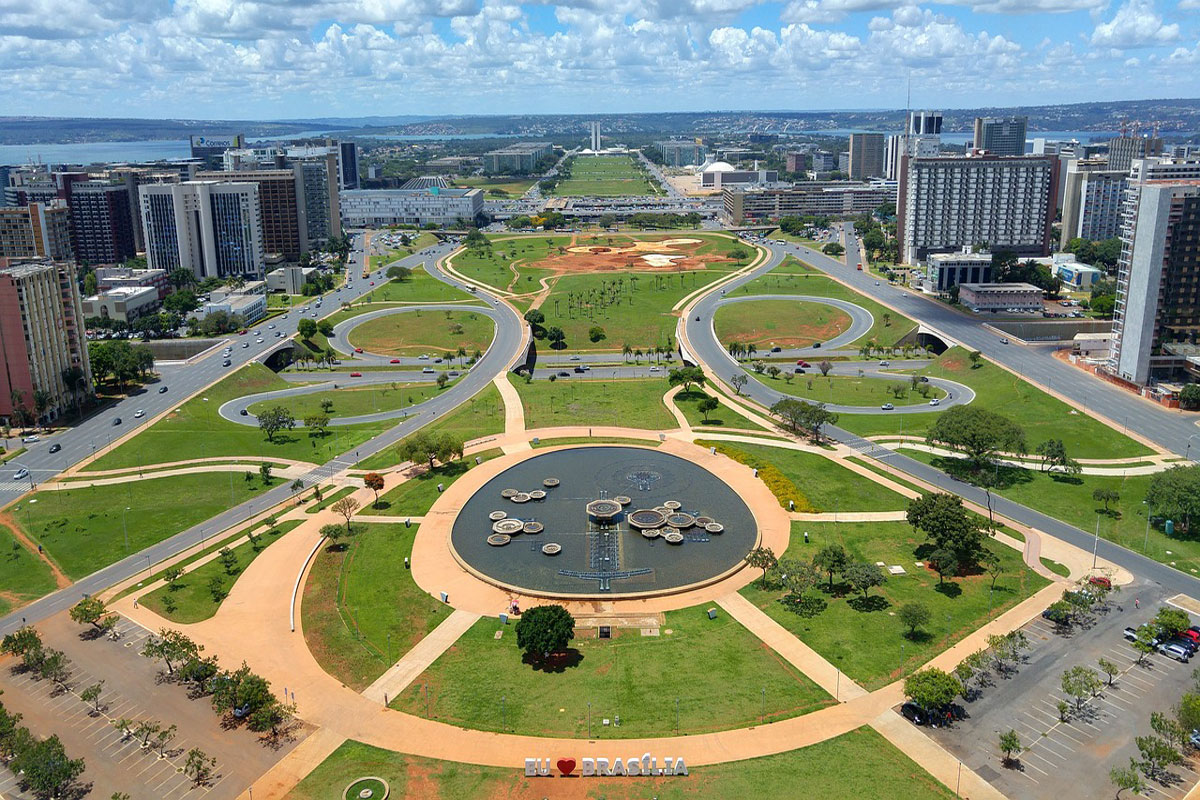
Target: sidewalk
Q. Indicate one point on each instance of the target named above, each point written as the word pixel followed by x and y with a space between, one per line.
pixel 417 660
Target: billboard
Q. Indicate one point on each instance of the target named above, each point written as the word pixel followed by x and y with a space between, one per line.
pixel 223 142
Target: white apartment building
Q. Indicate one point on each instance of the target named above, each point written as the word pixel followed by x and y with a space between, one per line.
pixel 373 208
pixel 212 228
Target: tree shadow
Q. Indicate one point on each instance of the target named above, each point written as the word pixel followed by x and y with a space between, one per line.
pixel 555 662
pixel 869 603
pixel 1073 480
pixel 838 589
pixel 382 505
pixel 948 589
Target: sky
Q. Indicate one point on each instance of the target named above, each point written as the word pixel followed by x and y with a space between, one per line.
pixel 278 59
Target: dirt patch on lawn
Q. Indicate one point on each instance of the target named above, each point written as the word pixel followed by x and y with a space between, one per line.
pixel 662 255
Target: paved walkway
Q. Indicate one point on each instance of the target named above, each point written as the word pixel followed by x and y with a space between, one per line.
pixel 514 409
pixel 417 660
pixel 849 516
pixel 1116 469
pixel 287 473
pixel 1031 461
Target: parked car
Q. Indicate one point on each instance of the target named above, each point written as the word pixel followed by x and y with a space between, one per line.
pixel 1101 581
pixel 887 407
pixel 913 713
pixel 1130 634
pixel 54 448
pixel 1175 651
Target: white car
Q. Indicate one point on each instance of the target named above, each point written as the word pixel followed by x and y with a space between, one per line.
pixel 423 357
pixel 21 473
pixel 258 340
pixel 31 439
pixel 935 402
pixel 139 414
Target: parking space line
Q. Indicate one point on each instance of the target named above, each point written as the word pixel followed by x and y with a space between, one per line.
pixel 1106 698
pixel 1032 754
pixel 1045 742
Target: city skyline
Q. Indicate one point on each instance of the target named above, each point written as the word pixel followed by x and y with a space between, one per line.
pixel 274 60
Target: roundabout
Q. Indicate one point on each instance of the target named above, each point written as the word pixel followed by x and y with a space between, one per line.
pixel 601 549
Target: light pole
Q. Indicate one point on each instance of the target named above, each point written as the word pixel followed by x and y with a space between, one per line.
pixel 589 719
pixel 125 527
pixel 1096 542
pixel 1146 540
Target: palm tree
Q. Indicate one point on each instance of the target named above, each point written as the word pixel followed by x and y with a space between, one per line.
pixel 626 351
pixel 462 354
pixel 637 354
pixel 751 350
pixel 41 402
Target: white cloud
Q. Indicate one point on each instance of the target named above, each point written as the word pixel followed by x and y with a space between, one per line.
pixel 1136 24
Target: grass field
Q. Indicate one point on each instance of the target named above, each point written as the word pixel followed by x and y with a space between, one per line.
pixel 825 484
pixel 795 277
pixel 510 263
pixel 416 495
pixel 418 332
pixel 630 676
pixel 196 430
pixel 23 576
pixel 858 765
pixel 194 596
pixel 629 403
pixel 605 176
pixel 329 496
pixel 353 401
pixel 482 415
pixel 841 631
pixel 1042 416
pixel 420 288
pixel 786 323
pixel 361 609
pixel 722 417
pixel 83 529
pixel 848 390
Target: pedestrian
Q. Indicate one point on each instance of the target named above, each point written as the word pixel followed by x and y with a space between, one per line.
pixel 1137 603
pixel 135 602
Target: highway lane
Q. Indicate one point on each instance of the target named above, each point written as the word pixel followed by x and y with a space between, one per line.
pixel 706 349
pixel 501 354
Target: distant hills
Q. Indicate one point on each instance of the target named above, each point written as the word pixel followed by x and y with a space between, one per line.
pixel 1172 116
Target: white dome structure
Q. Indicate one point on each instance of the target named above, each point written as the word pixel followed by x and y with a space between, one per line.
pixel 718 166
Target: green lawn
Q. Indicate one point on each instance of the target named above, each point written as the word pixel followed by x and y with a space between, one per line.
pixel 416 495
pixel 786 323
pixel 192 596
pixel 629 403
pixel 848 390
pixel 361 609
pixel 328 498
pixel 196 430
pixel 420 288
pixel 631 676
pixel 509 264
pixel 23 576
pixel 417 332
pixel 353 401
pixel 858 765
pixel 722 417
pixel 825 484
pixel 1042 416
pixel 605 176
pixel 870 646
pixel 794 277
pixel 82 528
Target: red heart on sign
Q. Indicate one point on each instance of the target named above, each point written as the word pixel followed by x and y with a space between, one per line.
pixel 566 766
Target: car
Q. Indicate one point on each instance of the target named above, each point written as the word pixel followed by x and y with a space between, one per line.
pixel 21 473
pixel 355 374
pixel 31 439
pixel 437 360
pixel 271 326
pixel 887 407
pixel 245 344
pixel 226 363
pixel 1186 643
pixel 427 369
pixel 1175 651
pixel 278 334
pixel 54 448
pixel 116 421
pixel 574 358
pixel 372 283
pixel 913 713
pixel 453 373
pixel 258 340
pixel 698 316
pixel 1101 581
pixel 876 283
pixel 585 367
pixel 579 370
pixel 243 332
pixel 1191 635
pixel 776 349
pixel 358 349
pixel 1003 341
pixel 1194 738
pixel 924 379
pixel 1131 634
pixel 885 363
pixel 656 369
pixel 799 370
pixel 139 414
pixel 394 361
pixel 564 374
pixel 423 357
pixel 935 402
pixel 803 363
pixel 816 345
pixel 1057 616
pixel 244 413
pixel 860 267
pixel 162 390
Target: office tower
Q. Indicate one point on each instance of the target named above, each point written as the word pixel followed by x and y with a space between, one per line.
pixel 1124 149
pixel 133 178
pixel 101 222
pixel 209 149
pixel 36 230
pixel 519 158
pixel 947 203
pixel 866 155
pixel 1157 312
pixel 925 123
pixel 212 228
pixel 922 137
pixel 681 152
pixel 281 207
pixel 796 162
pixel 823 162
pixel 364 208
pixel 348 159
pixel 1001 136
pixel 41 337
pixel 594 127
pixel 1092 194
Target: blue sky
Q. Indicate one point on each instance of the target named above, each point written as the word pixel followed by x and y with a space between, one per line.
pixel 298 58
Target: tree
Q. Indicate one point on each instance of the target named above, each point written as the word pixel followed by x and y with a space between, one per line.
pixel 833 249
pixel 1175 494
pixel 797 415
pixel 316 424
pixel 1187 711
pixel 1106 496
pixel 1171 622
pixel 346 507
pixel 306 327
pixel 1108 668
pixel 171 575
pixel 46 769
pixel 55 667
pixel 798 576
pixel 21 641
pixel 1168 728
pixel 977 433
pixel 825 367
pixel 1143 645
pixel 441 380
pixel 557 337
pixel 947 525
pixel 945 561
pixel 162 738
pixel 181 301
pixel 686 377
pixel 931 688
pixel 914 615
pixel 832 559
pixel 229 560
pixel 708 405
pixel 1189 396
pixel 596 334
pixel 333 533
pixel 398 273
pixel 1127 778
pixel 374 482
pixel 325 327
pixel 172 647
pixel 1054 454
pixel 425 446
pixel 1079 683
pixel 535 317
pixel 1156 754
pixel 199 766
pixel 274 420
pixel 762 558
pixel 543 630
pixel 264 472
pixel 92 611
pixel 862 576
pixel 738 381
pixel 1010 745
pixel 91 694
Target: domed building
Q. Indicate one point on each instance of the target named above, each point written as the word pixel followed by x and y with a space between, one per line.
pixel 718 174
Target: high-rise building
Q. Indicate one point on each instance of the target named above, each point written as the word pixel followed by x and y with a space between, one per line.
pixel 36 230
pixel 921 138
pixel 377 207
pixel 41 336
pixel 796 161
pixel 209 149
pixel 1157 311
pixel 823 162
pixel 1092 195
pixel 212 228
pixel 281 207
pixel 681 152
pixel 948 202
pixel 925 123
pixel 1124 149
pixel 520 158
pixel 1001 136
pixel 866 156
pixel 757 205
pixel 101 222
pixel 348 161
pixel 594 127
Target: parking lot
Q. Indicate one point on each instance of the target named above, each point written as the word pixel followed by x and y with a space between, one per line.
pixel 115 762
pixel 1072 759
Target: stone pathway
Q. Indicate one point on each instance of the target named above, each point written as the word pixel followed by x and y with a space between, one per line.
pixel 418 659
